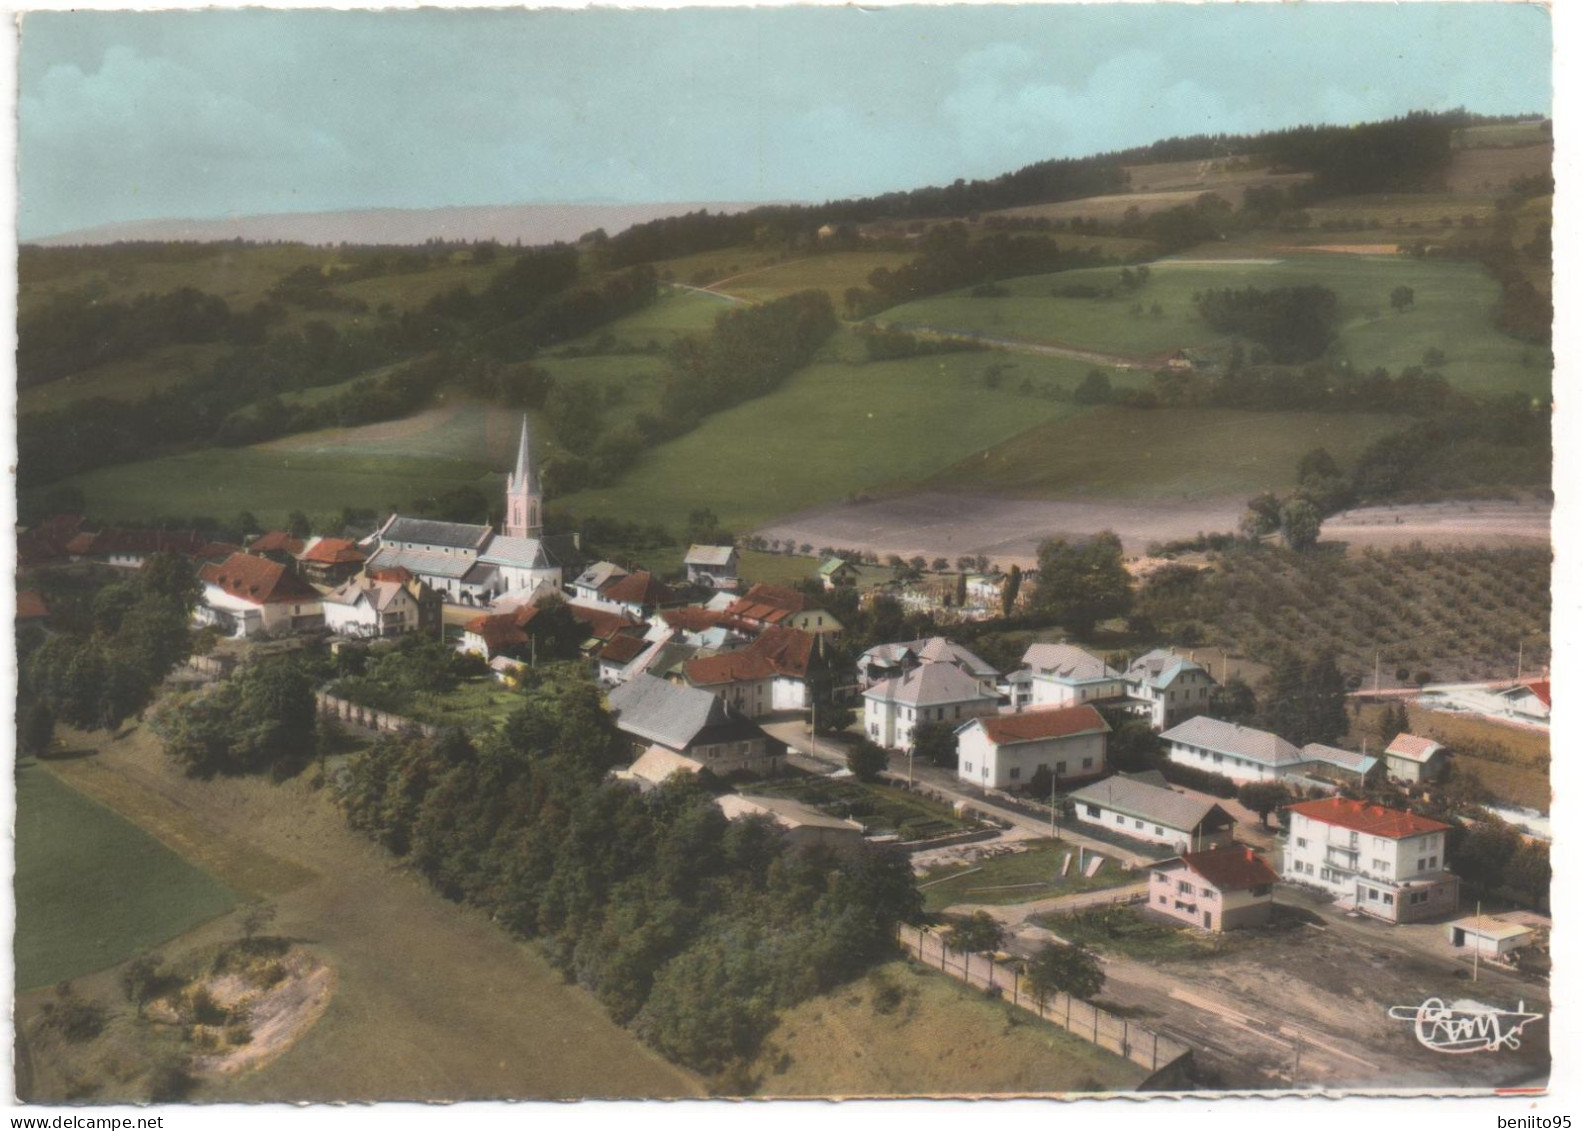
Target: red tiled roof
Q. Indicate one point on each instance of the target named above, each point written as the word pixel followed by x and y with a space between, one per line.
pixel 257 580
pixel 641 588
pixel 30 605
pixel 779 651
pixel 81 543
pixel 108 542
pixel 771 603
pixel 332 551
pixel 274 541
pixel 1030 726
pixel 218 551
pixel 623 649
pixel 391 573
pixel 1375 820
pixel 48 539
pixel 1231 867
pixel 1412 746
pixel 601 622
pixel 1540 688
pixel 501 629
pixel 694 618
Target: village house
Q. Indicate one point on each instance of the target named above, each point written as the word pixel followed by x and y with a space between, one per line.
pixel 1171 687
pixel 768 675
pixel 1063 675
pixel 364 607
pixel 278 546
pixel 1382 862
pixel 330 561
pixel 713 567
pixel 1143 807
pixel 767 606
pixel 129 549
pixel 638 595
pixel 47 540
pixel 886 661
pixel 1219 889
pixel 893 709
pixel 1528 700
pixel 702 628
pixel 498 634
pixel 838 573
pixel 803 826
pixel 247 596
pixel 1005 751
pixel 1410 758
pixel 588 584
pixel 688 721
pixel 31 609
pixel 616 657
pixel 1240 753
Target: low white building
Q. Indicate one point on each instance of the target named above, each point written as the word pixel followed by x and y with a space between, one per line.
pixel 1382 862
pixel 1143 807
pixel 1005 751
pixel 1171 686
pixel 246 596
pixel 713 567
pixel 1528 700
pixel 1490 936
pixel 1064 675
pixel 1240 753
pixel 934 693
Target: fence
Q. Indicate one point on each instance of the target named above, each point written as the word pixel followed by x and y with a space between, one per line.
pixel 1119 1035
pixel 358 715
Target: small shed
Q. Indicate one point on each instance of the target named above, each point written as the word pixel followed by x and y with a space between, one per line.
pixel 1488 935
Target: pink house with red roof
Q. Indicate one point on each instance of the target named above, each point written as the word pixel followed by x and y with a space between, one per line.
pixel 1219 889
pixel 1386 863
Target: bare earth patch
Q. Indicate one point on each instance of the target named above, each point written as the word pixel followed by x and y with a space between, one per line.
pixel 1480 523
pixel 277 1016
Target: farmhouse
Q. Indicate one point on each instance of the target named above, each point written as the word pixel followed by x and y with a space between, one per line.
pixel 131 548
pixel 617 657
pixel 704 628
pixel 498 634
pixel 764 606
pixel 639 595
pixel 1064 675
pixel 367 608
pixel 277 546
pixel 1410 758
pixel 1220 889
pixel 247 596
pixel 886 661
pixel 802 825
pixel 713 567
pixel 932 693
pixel 1172 687
pixel 1005 751
pixel 768 675
pixel 1383 862
pixel 591 582
pixel 1528 700
pixel 837 573
pixel 1141 806
pixel 1239 753
pixel 330 561
pixel 688 721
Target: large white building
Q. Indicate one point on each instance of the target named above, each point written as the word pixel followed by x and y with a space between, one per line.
pixel 934 693
pixel 1240 753
pixel 1063 675
pixel 1171 687
pixel 1005 751
pixel 1144 807
pixel 886 661
pixel 1382 862
pixel 247 596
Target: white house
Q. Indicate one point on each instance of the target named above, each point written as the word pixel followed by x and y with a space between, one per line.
pixel 1240 753
pixel 588 584
pixel 765 606
pixel 1530 700
pixel 1005 751
pixel 688 721
pixel 368 608
pixel 768 675
pixel 932 693
pixel 1383 862
pixel 246 595
pixel 1491 936
pixel 1171 686
pixel 1064 675
pixel 714 567
pixel 1143 807
pixel 1220 889
pixel 1411 758
pixel 886 661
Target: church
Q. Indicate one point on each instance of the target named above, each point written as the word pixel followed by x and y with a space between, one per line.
pixel 472 565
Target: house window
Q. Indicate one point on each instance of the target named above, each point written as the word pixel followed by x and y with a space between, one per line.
pixel 1158 831
pixel 1060 767
pixel 1421 864
pixel 1389 900
pixel 1218 758
pixel 1016 773
pixel 1139 824
pixel 1163 899
pixel 1119 819
pixel 1301 842
pixel 1093 810
pixel 967 766
pixel 1183 887
pixel 1353 840
pixel 1164 877
pixel 1384 865
pixel 1433 861
pixel 1087 763
pixel 1373 894
pixel 1260 891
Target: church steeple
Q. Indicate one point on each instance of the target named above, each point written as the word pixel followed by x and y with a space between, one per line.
pixel 524 502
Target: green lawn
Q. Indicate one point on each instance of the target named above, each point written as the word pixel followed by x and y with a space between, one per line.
pixel 1120 453
pixel 834 429
pixel 478 702
pixel 127 380
pixel 777 569
pixel 833 272
pixel 92 889
pixel 1017 878
pixel 1454 309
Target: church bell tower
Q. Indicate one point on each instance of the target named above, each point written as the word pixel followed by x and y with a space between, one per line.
pixel 524 501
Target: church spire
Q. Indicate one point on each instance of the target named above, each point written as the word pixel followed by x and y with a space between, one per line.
pixel 524 501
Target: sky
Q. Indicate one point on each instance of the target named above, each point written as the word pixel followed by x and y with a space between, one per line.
pixel 151 115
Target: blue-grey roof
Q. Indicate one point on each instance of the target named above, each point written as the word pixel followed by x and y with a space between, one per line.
pixel 1160 668
pixel 1152 803
pixel 657 710
pixel 524 553
pixel 432 532
pixel 424 563
pixel 1231 738
pixel 1334 756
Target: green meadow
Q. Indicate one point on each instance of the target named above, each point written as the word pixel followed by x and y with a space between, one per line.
pixel 93 889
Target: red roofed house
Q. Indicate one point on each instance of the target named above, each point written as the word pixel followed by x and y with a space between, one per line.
pixel 1410 758
pixel 495 634
pixel 1383 862
pixel 639 595
pixel 1005 751
pixel 277 546
pixel 768 675
pixel 330 561
pixel 616 656
pixel 47 540
pixel 1219 889
pixel 131 548
pixel 246 595
pixel 1530 699
pixel 764 606
pixel 31 608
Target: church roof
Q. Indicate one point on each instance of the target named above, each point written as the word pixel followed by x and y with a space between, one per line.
pixel 525 473
pixel 433 532
pixel 525 553
pixel 421 563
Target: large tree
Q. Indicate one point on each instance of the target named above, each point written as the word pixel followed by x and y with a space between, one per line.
pixel 1082 583
pixel 1061 968
pixel 935 743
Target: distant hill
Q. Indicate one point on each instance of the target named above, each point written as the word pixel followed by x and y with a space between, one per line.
pixel 529 223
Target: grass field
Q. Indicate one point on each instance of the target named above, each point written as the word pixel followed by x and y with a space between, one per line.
pixel 834 429
pixel 832 272
pixel 1017 877
pixel 469 704
pixel 1121 453
pixel 1453 312
pixel 1498 134
pixel 1518 772
pixel 92 889
pixel 128 380
pixel 906 1030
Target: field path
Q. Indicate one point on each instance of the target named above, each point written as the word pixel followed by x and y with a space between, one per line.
pixel 434 1001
